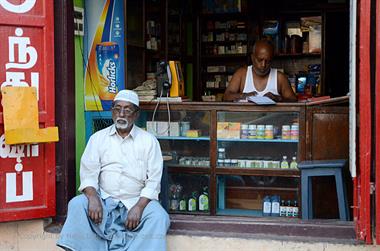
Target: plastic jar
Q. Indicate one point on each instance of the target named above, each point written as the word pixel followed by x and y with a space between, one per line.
pixel 285 132
pixel 227 162
pixel 252 132
pixel 260 133
pixel 221 153
pixel 268 132
pixel 244 131
pixel 234 162
pixel 294 132
pixel 220 162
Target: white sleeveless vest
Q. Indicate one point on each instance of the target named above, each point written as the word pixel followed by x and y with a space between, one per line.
pixel 271 86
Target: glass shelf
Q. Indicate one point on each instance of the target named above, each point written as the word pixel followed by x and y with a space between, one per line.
pixel 182 138
pixel 262 140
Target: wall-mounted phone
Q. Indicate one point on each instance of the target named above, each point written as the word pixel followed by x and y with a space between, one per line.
pixel 164 79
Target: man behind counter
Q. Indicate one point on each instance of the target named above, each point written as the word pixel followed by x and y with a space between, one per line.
pixel 259 78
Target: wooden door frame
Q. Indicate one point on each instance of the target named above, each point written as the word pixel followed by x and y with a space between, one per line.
pixel 64 104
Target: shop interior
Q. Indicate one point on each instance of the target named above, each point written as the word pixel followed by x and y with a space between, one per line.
pixel 211 39
pixel 215 170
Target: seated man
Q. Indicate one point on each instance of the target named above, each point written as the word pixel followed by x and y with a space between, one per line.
pixel 120 175
pixel 259 78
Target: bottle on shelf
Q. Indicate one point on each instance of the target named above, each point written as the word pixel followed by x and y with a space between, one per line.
pixel 294 132
pixel 252 131
pixel 284 163
pixel 221 153
pixel 275 205
pixel 203 200
pixel 295 209
pixel 293 164
pixel 182 204
pixel 192 203
pixel 267 206
pixel 285 132
pixel 289 209
pixel 282 208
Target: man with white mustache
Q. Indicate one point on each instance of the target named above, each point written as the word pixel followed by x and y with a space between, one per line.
pixel 259 79
pixel 120 174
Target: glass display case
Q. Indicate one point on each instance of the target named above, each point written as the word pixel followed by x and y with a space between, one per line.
pixel 188 193
pixel 264 144
pixel 229 156
pixel 183 135
pixel 238 156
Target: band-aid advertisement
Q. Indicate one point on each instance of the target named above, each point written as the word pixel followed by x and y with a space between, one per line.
pixel 103 52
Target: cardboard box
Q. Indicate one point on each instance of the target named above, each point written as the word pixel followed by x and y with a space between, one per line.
pixel 162 128
pixel 193 133
pixel 151 127
pixel 228 130
pixel 174 129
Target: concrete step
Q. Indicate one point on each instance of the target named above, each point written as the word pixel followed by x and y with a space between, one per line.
pixel 274 228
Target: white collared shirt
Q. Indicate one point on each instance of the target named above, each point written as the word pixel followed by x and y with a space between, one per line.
pixel 122 168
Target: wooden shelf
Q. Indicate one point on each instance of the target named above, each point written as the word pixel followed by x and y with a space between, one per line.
pixel 241 16
pixel 217 73
pixel 227 56
pixel 225 42
pixel 261 140
pixel 231 29
pixel 293 173
pixel 263 188
pixel 297 55
pixel 183 138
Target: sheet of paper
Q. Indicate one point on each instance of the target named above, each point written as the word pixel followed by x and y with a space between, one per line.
pixel 261 100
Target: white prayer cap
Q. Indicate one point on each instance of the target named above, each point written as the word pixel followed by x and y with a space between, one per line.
pixel 128 96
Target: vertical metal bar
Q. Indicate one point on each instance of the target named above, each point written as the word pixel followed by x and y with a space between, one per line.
pixel 364 120
pixel 213 151
pixel 352 80
pixel 352 107
pixel 377 123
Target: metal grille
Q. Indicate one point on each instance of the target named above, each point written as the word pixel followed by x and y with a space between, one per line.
pixel 99 124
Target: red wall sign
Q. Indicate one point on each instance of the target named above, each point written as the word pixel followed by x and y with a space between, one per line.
pixel 27 172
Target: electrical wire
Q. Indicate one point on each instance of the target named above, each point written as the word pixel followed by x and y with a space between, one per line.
pixel 154 114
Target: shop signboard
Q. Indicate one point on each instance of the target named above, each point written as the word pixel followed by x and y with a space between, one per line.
pixel 27 171
pixel 103 52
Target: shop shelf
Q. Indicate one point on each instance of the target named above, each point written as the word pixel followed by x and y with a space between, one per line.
pixel 259 171
pixel 183 138
pixel 261 140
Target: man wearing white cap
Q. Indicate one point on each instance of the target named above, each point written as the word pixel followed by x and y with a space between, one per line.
pixel 120 175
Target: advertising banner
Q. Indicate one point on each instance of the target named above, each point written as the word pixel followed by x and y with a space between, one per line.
pixel 27 171
pixel 103 52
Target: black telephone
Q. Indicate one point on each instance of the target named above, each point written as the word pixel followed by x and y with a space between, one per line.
pixel 163 77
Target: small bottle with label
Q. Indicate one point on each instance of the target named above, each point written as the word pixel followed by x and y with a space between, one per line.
pixel 293 164
pixel 282 208
pixel 203 200
pixel 289 209
pixel 284 163
pixel 221 153
pixel 192 202
pixel 275 205
pixel 182 204
pixel 295 209
pixel 267 206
